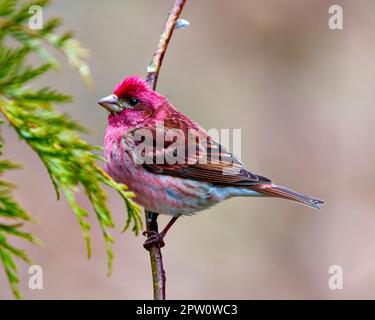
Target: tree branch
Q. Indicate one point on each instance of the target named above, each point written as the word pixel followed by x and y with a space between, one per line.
pixel 154 67
pixel 158 273
pixel 156 259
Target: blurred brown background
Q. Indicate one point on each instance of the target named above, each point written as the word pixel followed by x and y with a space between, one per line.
pixel 303 96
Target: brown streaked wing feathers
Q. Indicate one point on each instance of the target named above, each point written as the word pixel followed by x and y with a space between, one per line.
pixel 221 167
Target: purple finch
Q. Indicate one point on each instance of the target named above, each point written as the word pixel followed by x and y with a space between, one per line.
pixel 179 175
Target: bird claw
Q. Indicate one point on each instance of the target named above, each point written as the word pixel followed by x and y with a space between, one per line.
pixel 154 240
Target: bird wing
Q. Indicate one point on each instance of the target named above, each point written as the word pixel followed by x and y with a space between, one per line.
pixel 209 161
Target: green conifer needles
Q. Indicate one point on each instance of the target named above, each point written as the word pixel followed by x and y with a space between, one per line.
pixel 70 161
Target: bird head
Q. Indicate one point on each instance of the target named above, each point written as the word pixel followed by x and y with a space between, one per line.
pixel 131 101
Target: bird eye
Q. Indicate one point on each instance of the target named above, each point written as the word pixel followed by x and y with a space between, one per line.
pixel 133 101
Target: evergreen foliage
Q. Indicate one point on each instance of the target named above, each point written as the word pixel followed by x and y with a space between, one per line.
pixel 70 161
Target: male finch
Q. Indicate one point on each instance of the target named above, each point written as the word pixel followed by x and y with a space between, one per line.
pixel 196 180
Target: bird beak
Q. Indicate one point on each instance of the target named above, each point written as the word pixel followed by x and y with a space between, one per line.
pixel 110 103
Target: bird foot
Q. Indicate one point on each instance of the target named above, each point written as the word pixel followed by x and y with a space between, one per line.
pixel 154 240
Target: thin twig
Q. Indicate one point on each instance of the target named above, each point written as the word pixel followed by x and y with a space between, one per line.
pixel 158 273
pixel 156 259
pixel 154 67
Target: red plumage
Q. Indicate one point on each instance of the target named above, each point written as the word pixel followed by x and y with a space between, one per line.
pixel 143 108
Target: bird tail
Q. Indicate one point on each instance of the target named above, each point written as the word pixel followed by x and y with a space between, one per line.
pixel 282 192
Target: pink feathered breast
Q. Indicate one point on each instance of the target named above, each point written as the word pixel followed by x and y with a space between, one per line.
pixel 158 193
